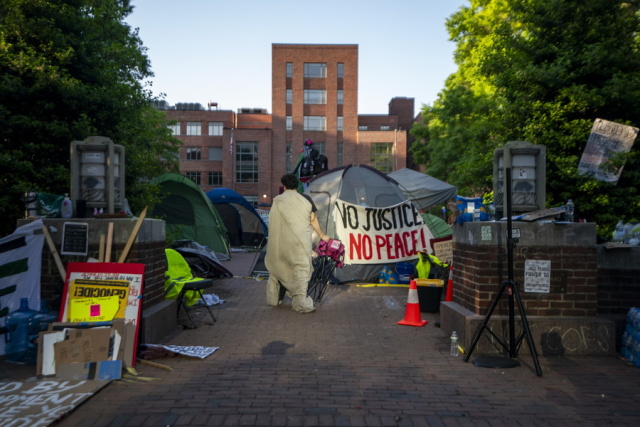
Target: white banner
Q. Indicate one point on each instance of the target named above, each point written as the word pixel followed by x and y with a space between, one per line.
pixel 20 261
pixel 380 235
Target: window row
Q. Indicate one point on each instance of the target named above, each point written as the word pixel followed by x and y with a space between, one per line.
pixel 195 129
pixel 195 153
pixel 315 70
pixel 247 165
pixel 315 96
pixel 314 123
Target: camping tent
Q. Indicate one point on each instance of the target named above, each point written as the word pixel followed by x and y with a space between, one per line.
pixel 375 221
pixel 244 225
pixel 423 190
pixel 189 214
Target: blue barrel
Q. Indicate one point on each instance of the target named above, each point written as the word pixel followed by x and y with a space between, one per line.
pixel 20 326
pixel 405 272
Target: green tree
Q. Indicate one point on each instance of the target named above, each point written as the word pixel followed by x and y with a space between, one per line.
pixel 546 69
pixel 68 70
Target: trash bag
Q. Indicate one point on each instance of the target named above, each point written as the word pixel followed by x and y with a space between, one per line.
pixel 49 205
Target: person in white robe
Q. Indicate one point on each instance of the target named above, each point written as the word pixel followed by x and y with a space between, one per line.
pixel 292 221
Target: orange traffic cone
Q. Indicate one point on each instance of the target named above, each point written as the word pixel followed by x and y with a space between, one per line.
pixel 412 312
pixel 449 296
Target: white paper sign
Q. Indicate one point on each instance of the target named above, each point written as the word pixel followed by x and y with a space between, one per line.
pixel 537 276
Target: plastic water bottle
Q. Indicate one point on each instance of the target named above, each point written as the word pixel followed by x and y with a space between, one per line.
pixel 618 235
pixel 570 211
pixel 66 210
pixel 492 212
pixel 454 344
pixel 20 327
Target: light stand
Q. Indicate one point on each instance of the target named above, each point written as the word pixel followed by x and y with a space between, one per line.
pixel 512 287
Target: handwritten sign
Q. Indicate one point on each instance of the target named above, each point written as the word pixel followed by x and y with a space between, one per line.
pixel 537 276
pixel 379 235
pixel 606 139
pixel 112 271
pixel 97 300
pixel 443 249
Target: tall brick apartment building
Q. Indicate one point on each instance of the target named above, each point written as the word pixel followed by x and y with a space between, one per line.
pixel 314 96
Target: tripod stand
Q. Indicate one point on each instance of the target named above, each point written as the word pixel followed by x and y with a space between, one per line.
pixel 514 294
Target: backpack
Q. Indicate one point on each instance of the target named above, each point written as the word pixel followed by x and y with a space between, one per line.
pixel 321 164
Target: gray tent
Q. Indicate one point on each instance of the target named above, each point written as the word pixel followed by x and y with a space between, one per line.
pixel 423 190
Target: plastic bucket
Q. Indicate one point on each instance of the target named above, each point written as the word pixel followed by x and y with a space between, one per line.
pixel 405 272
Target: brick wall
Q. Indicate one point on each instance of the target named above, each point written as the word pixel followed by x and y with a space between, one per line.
pixel 618 280
pixel 481 265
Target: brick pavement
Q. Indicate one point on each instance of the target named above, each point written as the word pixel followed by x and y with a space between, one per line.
pixel 350 364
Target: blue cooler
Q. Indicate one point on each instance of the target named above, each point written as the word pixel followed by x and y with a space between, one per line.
pixel 405 272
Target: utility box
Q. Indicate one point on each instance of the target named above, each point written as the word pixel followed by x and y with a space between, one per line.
pixel 528 176
pixel 97 174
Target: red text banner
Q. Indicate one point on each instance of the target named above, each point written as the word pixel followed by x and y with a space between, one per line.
pixel 380 235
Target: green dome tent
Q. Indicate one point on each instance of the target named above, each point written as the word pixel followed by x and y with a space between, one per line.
pixel 189 214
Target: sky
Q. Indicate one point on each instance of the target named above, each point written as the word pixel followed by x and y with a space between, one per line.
pixel 220 51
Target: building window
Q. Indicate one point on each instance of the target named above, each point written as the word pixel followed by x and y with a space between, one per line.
pixel 288 158
pixel 321 147
pixel 382 156
pixel 215 153
pixel 289 96
pixel 340 123
pixel 315 96
pixel 340 97
pixel 315 70
pixel 215 178
pixel 194 153
pixel 194 128
pixel 216 128
pixel 384 127
pixel 175 129
pixel 253 200
pixel 315 123
pixel 194 176
pixel 340 70
pixel 247 162
pixel 361 127
pixel 289 123
pixel 340 149
pixel 289 69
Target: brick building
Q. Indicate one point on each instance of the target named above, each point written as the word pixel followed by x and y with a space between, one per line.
pixel 314 96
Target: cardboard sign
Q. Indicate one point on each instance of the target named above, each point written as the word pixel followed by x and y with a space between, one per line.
pixel 606 139
pixel 111 271
pixel 97 300
pixel 443 249
pixel 380 235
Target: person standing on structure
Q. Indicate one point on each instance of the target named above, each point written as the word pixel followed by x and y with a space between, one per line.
pixel 292 221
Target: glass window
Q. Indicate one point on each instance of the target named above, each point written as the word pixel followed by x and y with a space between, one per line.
pixel 194 176
pixel 313 96
pixel 289 96
pixel 289 123
pixel 194 153
pixel 362 127
pixel 340 97
pixel 247 162
pixel 215 178
pixel 320 146
pixel 340 123
pixel 194 128
pixel 175 129
pixel 315 70
pixel 216 128
pixel 340 70
pixel 340 155
pixel 289 69
pixel 384 127
pixel 382 156
pixel 288 158
pixel 315 123
pixel 215 153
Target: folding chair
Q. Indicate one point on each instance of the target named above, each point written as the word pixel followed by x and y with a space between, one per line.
pixel 180 284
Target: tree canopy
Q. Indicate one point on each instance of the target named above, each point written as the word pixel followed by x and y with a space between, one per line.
pixel 68 70
pixel 540 71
